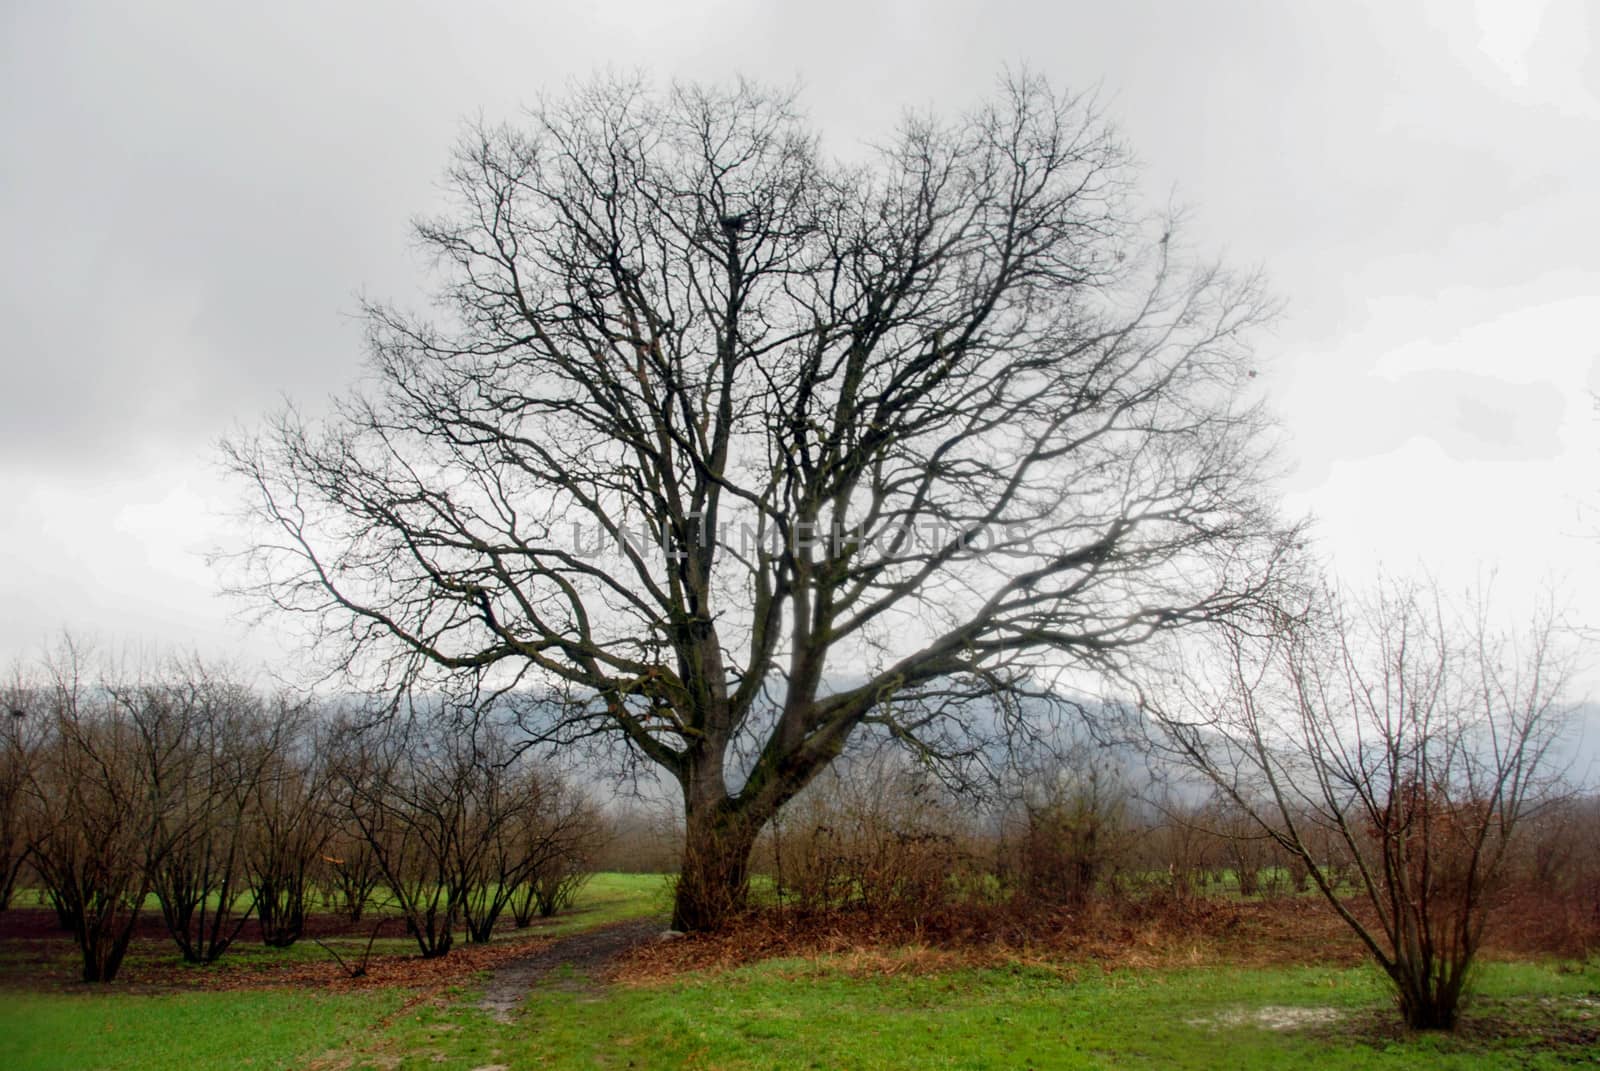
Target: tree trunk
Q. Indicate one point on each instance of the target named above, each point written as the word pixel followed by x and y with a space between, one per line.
pixel 714 881
pixel 1424 1008
pixel 1427 1001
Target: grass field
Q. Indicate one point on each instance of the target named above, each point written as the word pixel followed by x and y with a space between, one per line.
pixel 894 1009
pixel 249 1029
pixel 789 1014
pixel 605 898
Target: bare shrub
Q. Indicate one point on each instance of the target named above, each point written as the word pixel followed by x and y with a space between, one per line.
pixel 1176 855
pixel 347 872
pixel 1075 828
pixel 203 743
pixel 877 836
pixel 1245 852
pixel 290 829
pixel 1413 735
pixel 400 784
pixel 460 822
pixel 562 839
pixel 91 816
pixel 1554 886
pixel 502 845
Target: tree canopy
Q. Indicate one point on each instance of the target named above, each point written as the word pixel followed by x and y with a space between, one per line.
pixel 735 444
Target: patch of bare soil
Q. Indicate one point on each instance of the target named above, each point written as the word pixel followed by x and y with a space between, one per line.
pixel 575 963
pixel 1270 1017
pixel 1523 1030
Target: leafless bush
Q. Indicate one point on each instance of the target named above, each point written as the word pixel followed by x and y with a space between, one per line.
pixel 1243 849
pixel 204 743
pixel 1414 735
pixel 289 829
pixel 880 837
pixel 1075 829
pixel 562 840
pixel 502 845
pixel 1175 856
pixel 224 802
pixel 1556 875
pixel 459 822
pixel 91 815
pixel 400 785
pixel 347 871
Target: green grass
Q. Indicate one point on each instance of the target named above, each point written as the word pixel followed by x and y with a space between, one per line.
pixel 608 898
pixel 795 1014
pixel 802 1013
pixel 116 1029
pixel 791 1014
pixel 129 1032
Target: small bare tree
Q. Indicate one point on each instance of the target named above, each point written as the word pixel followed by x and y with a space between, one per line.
pixel 1178 854
pixel 492 855
pixel 399 784
pixel 1412 738
pixel 289 825
pixel 347 874
pixel 1244 850
pixel 561 839
pixel 204 741
pixel 94 822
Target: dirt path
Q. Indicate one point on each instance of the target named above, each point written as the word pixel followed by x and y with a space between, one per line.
pixel 583 954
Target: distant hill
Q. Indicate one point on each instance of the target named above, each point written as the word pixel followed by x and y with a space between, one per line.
pixel 1579 748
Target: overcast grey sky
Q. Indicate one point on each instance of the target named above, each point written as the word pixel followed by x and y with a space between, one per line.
pixel 192 194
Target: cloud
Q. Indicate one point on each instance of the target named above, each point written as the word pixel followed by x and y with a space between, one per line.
pixel 192 194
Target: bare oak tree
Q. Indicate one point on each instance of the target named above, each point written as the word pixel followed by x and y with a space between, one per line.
pixel 728 448
pixel 1392 744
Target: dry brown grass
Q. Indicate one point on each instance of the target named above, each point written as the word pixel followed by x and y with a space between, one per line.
pixel 1108 935
pixel 1532 922
pixel 1152 933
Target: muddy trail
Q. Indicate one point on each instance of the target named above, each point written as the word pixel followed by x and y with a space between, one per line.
pixel 571 963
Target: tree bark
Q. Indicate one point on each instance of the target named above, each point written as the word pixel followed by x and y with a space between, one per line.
pixel 714 880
